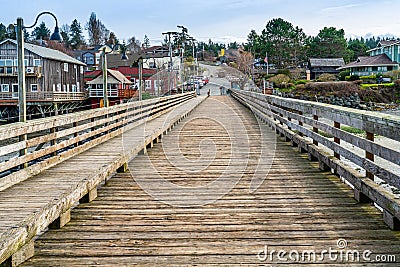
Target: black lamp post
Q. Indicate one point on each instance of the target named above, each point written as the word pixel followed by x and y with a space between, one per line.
pixel 21 65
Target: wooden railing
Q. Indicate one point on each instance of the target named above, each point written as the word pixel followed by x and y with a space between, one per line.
pixel 29 148
pixel 316 129
pixel 45 96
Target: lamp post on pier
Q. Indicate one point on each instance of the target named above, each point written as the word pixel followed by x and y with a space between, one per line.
pixel 21 65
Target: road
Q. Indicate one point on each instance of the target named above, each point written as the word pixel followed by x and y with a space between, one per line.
pixel 215 82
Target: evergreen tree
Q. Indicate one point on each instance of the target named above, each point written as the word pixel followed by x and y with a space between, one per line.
pixel 146 42
pixel 41 32
pixel 75 35
pixel 3 32
pixel 329 43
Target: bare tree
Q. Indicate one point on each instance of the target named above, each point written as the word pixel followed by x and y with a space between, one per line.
pixel 98 33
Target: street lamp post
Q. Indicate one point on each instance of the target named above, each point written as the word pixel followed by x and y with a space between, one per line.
pixel 105 82
pixel 21 65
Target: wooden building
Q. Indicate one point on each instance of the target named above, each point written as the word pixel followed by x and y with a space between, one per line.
pixel 318 66
pixel 54 81
pixel 119 89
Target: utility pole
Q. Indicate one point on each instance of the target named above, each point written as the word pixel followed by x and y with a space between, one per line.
pixel 169 34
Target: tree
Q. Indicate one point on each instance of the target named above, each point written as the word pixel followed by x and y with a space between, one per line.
pixel 329 43
pixel 358 48
pixel 3 32
pixel 146 42
pixel 233 45
pixel 75 35
pixel 112 40
pixel 98 33
pixel 134 40
pixel 253 44
pixel 64 32
pixel 282 42
pixel 41 32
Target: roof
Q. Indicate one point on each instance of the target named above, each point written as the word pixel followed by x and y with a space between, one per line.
pixel 134 71
pixel 378 60
pixel 384 43
pixel 326 62
pixel 47 53
pixel 115 77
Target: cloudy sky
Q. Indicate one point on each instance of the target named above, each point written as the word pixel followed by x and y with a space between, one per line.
pixel 220 20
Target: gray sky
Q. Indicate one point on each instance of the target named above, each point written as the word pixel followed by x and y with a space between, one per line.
pixel 220 20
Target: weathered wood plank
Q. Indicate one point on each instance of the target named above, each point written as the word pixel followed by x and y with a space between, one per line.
pixel 297 207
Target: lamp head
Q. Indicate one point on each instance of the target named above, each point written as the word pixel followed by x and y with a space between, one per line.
pixel 56 36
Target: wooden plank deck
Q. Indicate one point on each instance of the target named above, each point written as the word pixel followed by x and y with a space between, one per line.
pixel 168 210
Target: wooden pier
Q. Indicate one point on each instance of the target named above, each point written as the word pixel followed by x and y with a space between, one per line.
pixel 141 218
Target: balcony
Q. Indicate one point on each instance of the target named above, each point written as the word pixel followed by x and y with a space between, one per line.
pixel 44 96
pixel 119 93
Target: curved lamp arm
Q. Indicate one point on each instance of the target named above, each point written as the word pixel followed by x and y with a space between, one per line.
pixel 37 18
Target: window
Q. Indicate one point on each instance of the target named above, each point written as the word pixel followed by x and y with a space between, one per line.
pixel 67 88
pixel 77 86
pixel 73 88
pixel 6 62
pixel 58 87
pixel 148 84
pixel 63 88
pixel 66 67
pixel 37 62
pixel 34 87
pixel 155 84
pixel 9 70
pixel 5 88
pixel 81 69
pixel 54 87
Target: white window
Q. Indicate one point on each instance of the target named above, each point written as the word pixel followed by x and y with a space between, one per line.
pixel 37 62
pixel 54 87
pixel 81 69
pixel 34 87
pixel 58 87
pixel 5 88
pixel 155 84
pixel 73 88
pixel 67 88
pixel 148 84
pixel 66 67
pixel 64 88
pixel 77 86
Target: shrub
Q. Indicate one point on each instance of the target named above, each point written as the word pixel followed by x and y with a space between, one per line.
pixel 326 77
pixel 284 71
pixel 353 77
pixel 280 80
pixel 300 82
pixel 343 74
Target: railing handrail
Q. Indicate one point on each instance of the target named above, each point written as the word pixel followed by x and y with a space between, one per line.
pixel 298 120
pixel 64 133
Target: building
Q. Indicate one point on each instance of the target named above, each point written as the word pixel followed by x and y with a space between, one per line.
pixel 119 88
pixel 383 58
pixel 318 66
pixel 54 81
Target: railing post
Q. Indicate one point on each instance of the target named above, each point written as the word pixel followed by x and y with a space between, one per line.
pixel 53 142
pixel 369 155
pixel 315 129
pixel 75 124
pixel 24 151
pixel 300 122
pixel 336 139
